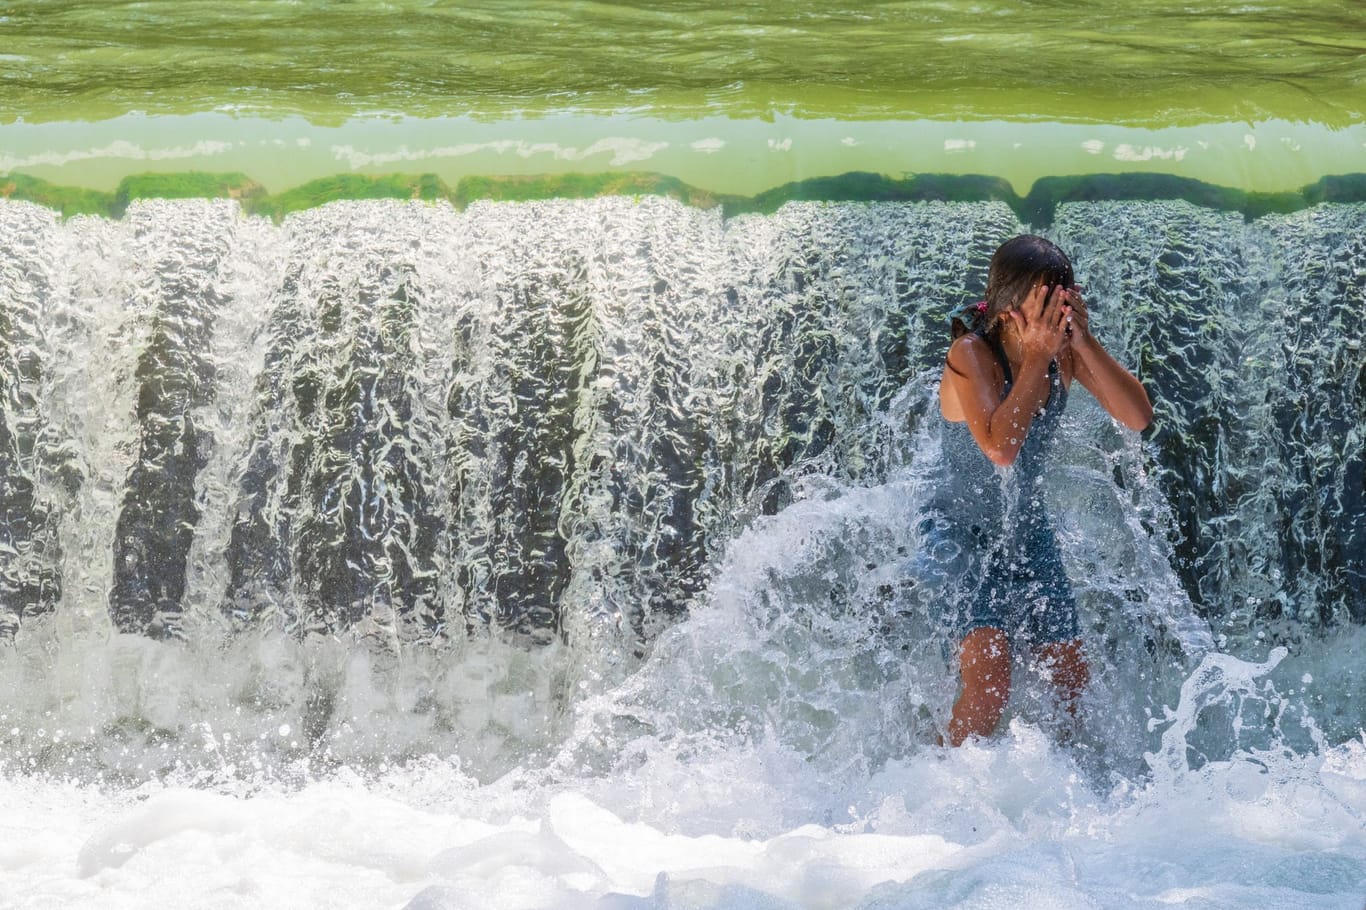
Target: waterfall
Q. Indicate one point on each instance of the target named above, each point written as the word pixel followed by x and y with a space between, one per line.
pixel 1251 336
pixel 420 421
pixel 285 461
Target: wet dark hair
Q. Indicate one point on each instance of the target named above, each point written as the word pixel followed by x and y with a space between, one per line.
pixel 1018 265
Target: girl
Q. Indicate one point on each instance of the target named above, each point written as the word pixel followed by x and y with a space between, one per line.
pixel 1005 384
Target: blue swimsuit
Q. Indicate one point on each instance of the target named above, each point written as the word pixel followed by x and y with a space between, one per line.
pixel 997 519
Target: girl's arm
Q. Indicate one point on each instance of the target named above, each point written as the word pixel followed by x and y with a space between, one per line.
pixel 1114 387
pixel 999 426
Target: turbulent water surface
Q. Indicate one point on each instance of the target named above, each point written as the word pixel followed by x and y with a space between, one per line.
pixel 566 554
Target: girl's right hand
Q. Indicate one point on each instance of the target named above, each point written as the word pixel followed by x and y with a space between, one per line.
pixel 1042 320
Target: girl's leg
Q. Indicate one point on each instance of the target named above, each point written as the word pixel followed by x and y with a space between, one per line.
pixel 1065 666
pixel 984 662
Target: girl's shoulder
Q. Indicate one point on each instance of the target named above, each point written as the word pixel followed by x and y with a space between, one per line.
pixel 972 348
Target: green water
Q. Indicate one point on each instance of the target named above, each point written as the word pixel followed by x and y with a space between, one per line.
pixel 733 98
pixel 1158 62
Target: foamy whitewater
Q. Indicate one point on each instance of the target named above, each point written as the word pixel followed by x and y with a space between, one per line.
pixel 567 555
pixel 712 818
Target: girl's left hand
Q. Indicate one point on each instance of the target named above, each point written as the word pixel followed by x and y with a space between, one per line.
pixel 1078 328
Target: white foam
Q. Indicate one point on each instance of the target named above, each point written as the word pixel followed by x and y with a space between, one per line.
pixel 1006 821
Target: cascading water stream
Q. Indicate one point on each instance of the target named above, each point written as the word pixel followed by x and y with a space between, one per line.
pixel 1252 335
pixel 403 479
pixel 570 554
pixel 456 402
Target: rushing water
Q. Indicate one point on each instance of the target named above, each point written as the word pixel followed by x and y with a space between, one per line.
pixel 566 554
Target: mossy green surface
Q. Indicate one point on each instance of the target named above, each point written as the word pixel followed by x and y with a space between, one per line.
pixel 1036 209
pixel 185 185
pixel 427 187
pixel 68 200
pixel 1047 194
pixel 1342 188
pixel 861 186
pixel 582 186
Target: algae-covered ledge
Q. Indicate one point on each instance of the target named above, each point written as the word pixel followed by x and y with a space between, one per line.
pixel 1035 208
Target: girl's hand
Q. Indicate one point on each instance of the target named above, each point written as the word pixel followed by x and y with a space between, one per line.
pixel 1042 321
pixel 1079 326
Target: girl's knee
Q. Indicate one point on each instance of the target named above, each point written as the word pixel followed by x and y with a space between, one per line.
pixel 984 643
pixel 1065 665
pixel 984 656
